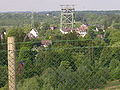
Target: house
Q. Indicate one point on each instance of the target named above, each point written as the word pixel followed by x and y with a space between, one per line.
pixel 101 36
pixel 82 30
pixel 96 29
pixel 82 33
pixel 2 34
pixel 47 14
pixel 46 43
pixel 66 30
pixel 33 34
pixel 53 27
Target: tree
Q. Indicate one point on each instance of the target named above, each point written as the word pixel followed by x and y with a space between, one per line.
pixel 3 75
pixel 27 57
pixel 114 67
pixel 114 36
pixel 34 83
pixel 116 26
pixel 18 33
pixel 45 26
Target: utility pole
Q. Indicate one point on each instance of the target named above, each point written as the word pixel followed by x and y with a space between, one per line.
pixel 67 16
pixel 11 63
pixel 32 19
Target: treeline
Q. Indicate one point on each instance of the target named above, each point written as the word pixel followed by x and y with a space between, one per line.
pixel 88 17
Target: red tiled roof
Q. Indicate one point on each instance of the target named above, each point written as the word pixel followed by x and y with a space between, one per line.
pixel 83 28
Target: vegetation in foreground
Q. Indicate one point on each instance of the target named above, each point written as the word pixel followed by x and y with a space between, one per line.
pixel 71 62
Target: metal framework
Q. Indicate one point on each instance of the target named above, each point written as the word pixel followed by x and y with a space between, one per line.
pixel 67 16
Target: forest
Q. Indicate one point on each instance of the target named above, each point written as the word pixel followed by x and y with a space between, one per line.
pixel 71 62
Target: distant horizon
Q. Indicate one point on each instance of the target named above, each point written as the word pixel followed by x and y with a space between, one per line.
pixel 54 5
pixel 56 10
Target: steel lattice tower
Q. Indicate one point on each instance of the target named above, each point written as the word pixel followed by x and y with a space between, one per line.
pixel 67 16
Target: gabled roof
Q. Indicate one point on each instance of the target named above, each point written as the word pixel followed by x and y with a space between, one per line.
pixel 34 32
pixel 82 28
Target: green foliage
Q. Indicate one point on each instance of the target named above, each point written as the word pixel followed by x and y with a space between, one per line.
pixel 26 28
pixel 92 34
pixel 34 83
pixel 94 78
pixel 3 59
pixel 62 79
pixel 71 62
pixel 3 76
pixel 70 36
pixel 116 26
pixel 115 69
pixel 27 56
pixel 114 36
pixel 18 33
pixel 45 26
pixel 65 64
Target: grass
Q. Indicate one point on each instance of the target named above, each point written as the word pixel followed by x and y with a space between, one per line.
pixel 114 85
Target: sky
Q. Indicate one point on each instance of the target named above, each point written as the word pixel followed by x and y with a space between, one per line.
pixel 54 5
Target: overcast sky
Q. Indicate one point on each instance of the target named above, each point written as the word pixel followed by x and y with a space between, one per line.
pixel 51 5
